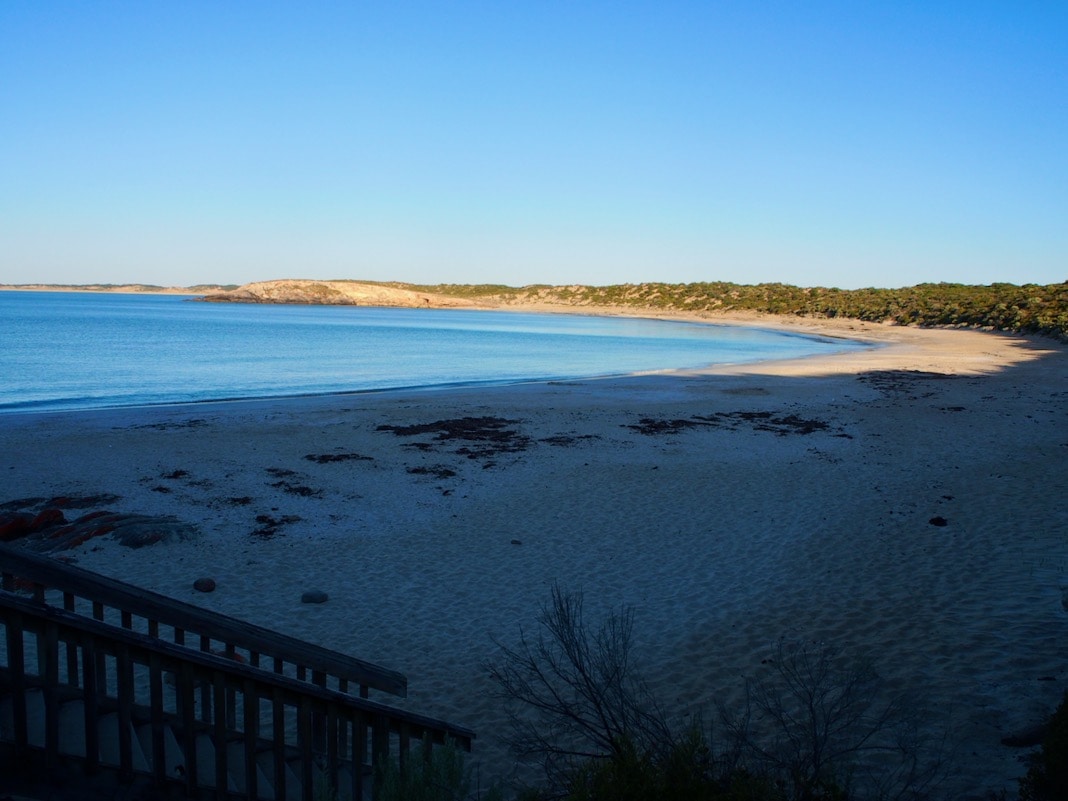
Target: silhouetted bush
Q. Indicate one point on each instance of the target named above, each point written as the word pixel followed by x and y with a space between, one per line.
pixel 817 728
pixel 1047 779
pixel 438 774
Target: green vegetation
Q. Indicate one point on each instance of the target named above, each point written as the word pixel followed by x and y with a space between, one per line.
pixel 438 773
pixel 1031 308
pixel 815 727
pixel 1047 779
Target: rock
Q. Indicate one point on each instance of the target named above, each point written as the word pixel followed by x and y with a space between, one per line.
pixel 938 521
pixel 204 585
pixel 133 531
pixel 14 525
pixel 136 531
pixel 517 542
pixel 314 597
pixel 48 518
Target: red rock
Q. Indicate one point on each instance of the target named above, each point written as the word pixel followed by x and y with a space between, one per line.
pixel 48 518
pixel 14 525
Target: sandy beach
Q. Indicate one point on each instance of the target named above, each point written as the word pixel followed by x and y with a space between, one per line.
pixel 730 506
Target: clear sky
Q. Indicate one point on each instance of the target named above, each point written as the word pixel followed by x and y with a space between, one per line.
pixel 840 144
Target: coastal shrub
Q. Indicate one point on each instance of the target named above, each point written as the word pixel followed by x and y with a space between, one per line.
pixel 1047 778
pixel 824 729
pixel 681 772
pixel 440 773
pixel 572 692
pixel 817 727
pixel 1029 308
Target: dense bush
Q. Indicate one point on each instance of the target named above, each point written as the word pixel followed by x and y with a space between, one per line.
pixel 1047 779
pixel 1030 308
pixel 440 773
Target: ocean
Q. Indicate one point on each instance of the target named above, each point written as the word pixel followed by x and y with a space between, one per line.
pixel 75 350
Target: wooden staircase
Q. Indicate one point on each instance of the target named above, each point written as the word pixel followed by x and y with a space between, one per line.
pixel 120 680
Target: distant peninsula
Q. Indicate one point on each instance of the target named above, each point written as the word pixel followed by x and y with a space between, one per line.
pixel 120 289
pixel 1028 308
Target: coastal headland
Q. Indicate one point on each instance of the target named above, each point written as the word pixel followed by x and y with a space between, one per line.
pixel 904 502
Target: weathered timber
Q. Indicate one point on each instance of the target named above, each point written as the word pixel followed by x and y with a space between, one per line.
pixel 351 721
pixel 255 641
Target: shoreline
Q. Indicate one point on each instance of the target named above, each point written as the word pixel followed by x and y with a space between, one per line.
pixel 725 321
pixel 928 348
pixel 729 506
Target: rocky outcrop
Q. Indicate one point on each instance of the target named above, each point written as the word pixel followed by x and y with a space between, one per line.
pixel 333 293
pixel 45 528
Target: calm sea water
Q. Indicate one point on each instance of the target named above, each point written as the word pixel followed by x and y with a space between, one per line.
pixel 80 350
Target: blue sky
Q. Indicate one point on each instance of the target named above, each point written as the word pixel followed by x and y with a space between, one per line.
pixel 840 144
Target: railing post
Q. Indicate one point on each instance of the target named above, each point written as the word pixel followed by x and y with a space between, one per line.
pixel 48 646
pixel 307 756
pixel 231 693
pixel 101 665
pixel 185 687
pixel 155 684
pixel 359 754
pixel 17 662
pixel 90 696
pixel 252 732
pixel 379 750
pixel 72 647
pixel 221 772
pixel 332 765
pixel 124 673
pixel 278 721
pixel 205 689
pixel 318 720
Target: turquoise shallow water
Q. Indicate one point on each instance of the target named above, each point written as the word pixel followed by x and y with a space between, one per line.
pixel 75 350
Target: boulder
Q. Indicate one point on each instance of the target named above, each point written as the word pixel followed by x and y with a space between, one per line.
pixel 204 584
pixel 314 597
pixel 47 518
pixel 14 525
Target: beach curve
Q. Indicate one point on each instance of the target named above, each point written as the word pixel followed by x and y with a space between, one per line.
pixel 725 532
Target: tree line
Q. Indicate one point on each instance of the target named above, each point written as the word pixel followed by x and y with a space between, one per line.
pixel 1027 308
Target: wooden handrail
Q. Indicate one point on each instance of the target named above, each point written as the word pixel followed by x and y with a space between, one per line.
pixel 238 671
pixel 204 623
pixel 348 718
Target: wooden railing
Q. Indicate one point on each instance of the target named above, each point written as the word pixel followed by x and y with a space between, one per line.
pixel 202 716
pixel 133 607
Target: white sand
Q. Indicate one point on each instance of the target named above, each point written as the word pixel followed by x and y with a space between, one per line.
pixel 723 539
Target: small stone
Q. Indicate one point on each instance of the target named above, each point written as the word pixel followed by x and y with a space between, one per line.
pixel 204 585
pixel 314 597
pixel 938 521
pixel 517 542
